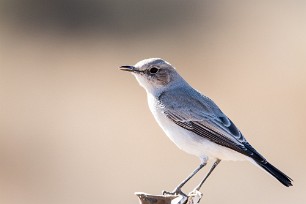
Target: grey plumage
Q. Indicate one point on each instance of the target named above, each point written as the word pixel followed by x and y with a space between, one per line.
pixel 193 121
pixel 203 117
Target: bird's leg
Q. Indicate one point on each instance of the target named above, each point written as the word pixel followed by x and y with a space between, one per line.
pixel 177 190
pixel 211 170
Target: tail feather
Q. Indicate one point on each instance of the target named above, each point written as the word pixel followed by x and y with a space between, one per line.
pixel 283 178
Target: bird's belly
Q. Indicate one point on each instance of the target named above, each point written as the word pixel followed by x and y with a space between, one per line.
pixel 195 144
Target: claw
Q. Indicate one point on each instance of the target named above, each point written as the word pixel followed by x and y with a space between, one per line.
pixel 168 193
pixel 176 191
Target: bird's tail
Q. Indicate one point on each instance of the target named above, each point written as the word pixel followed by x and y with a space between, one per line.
pixel 283 178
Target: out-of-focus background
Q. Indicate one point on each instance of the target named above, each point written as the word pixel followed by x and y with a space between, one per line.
pixel 75 130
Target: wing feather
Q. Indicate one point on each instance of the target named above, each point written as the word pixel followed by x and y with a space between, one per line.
pixel 205 119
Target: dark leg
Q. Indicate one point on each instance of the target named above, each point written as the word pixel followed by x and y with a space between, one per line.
pixel 177 190
pixel 212 168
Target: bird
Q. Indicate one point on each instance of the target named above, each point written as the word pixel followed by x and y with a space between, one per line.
pixel 194 122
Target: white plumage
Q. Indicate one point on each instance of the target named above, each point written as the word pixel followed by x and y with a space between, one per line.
pixel 193 121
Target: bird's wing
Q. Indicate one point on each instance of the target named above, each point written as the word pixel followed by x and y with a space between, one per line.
pixel 202 116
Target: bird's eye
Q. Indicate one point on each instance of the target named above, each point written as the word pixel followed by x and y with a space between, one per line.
pixel 154 70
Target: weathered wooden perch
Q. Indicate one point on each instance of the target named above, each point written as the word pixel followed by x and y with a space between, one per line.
pixel 192 198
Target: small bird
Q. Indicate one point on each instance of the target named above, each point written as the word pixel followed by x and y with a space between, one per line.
pixel 194 122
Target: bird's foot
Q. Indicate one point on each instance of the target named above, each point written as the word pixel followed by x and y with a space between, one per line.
pixel 195 196
pixel 176 191
pixel 195 192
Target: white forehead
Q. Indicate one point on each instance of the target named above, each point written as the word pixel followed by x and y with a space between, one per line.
pixel 150 62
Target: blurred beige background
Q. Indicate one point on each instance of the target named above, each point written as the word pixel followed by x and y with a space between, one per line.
pixel 75 130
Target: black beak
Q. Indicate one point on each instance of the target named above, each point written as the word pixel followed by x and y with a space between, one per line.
pixel 127 68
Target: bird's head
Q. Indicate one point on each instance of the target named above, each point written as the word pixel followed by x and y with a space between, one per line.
pixel 154 74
